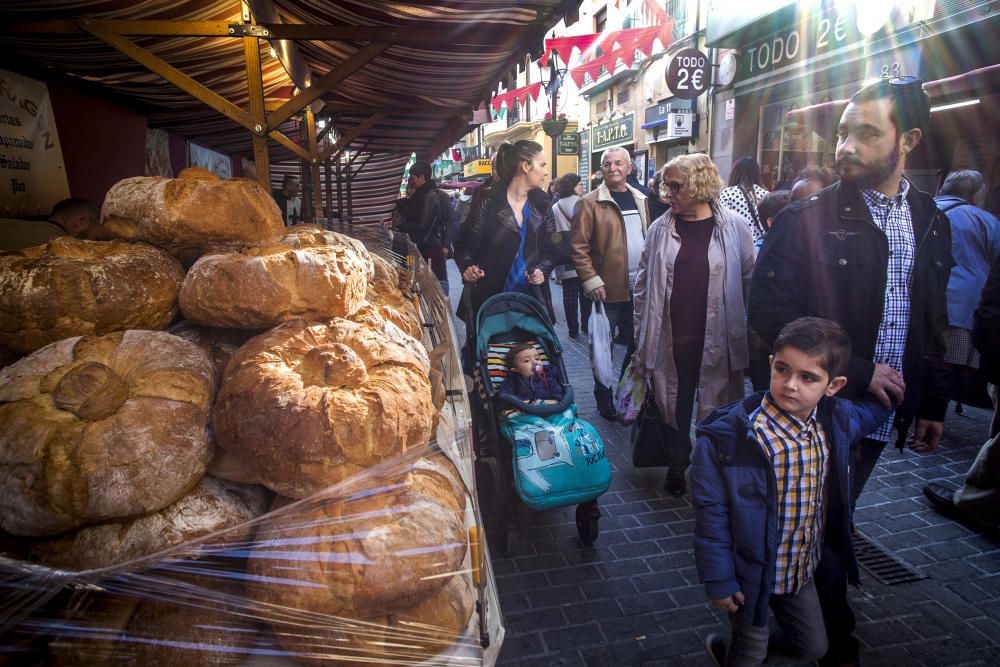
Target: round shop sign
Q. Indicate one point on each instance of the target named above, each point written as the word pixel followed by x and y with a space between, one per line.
pixel 689 74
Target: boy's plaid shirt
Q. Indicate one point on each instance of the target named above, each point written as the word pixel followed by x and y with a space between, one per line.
pixel 798 453
pixel 892 216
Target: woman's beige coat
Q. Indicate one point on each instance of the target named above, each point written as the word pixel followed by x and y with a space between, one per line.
pixel 730 261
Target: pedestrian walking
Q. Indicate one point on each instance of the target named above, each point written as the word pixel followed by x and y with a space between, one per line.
pixel 576 306
pixel 689 305
pixel 609 229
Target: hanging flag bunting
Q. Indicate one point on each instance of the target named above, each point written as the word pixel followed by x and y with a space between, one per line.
pixel 622 45
pixel 519 94
pixel 564 47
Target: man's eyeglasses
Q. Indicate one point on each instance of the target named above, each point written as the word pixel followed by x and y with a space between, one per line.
pixel 670 186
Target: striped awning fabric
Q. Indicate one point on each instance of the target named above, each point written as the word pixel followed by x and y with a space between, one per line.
pixel 444 58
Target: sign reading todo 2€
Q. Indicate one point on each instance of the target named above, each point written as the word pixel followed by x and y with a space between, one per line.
pixel 689 74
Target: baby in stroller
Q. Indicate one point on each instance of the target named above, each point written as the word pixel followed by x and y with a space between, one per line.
pixel 553 458
pixel 527 379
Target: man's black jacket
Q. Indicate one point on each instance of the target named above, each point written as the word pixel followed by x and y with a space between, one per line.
pixel 826 257
pixel 986 325
pixel 490 238
pixel 427 217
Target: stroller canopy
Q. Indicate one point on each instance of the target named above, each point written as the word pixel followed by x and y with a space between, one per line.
pixel 508 311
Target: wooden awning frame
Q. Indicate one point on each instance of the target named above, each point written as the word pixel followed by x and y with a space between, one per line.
pixel 258 119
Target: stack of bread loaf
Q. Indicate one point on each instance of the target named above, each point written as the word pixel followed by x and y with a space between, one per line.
pixel 175 382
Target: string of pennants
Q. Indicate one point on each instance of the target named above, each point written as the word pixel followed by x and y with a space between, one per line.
pixel 617 45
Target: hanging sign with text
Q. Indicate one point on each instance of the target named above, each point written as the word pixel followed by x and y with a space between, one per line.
pixel 689 74
pixel 569 143
pixel 618 132
pixel 32 172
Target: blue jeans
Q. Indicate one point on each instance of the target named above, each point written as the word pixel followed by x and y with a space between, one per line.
pixel 801 636
pixel 619 313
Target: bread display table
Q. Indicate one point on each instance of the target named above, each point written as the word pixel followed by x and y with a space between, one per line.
pixel 284 477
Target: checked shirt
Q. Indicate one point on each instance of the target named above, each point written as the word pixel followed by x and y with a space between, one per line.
pixel 798 454
pixel 892 216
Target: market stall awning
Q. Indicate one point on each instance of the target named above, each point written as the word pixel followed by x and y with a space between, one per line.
pixel 392 77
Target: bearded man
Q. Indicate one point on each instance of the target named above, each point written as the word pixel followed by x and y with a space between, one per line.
pixel 873 254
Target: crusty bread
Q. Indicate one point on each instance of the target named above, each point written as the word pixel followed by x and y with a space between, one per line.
pixel 390 539
pixel 212 506
pixel 185 621
pixel 308 404
pixel 190 216
pixel 301 236
pixel 218 344
pixel 262 287
pixel 389 299
pixel 402 635
pixel 199 173
pixel 101 428
pixel 70 287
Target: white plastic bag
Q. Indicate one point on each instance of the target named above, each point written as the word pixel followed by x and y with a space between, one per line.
pixel 600 346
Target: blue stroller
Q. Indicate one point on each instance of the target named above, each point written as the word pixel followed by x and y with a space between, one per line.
pixel 541 453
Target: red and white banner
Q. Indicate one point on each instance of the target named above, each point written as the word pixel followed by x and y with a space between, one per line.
pixel 519 94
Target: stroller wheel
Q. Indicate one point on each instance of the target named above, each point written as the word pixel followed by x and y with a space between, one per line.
pixel 587 517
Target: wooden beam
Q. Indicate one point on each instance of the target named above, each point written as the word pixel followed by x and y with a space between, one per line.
pixel 350 136
pixel 290 144
pixel 255 87
pixel 172 74
pixel 424 37
pixel 361 166
pixel 325 83
pixel 329 192
pixel 313 164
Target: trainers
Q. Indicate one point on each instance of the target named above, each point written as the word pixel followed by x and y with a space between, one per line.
pixel 676 485
pixel 715 646
pixel 608 413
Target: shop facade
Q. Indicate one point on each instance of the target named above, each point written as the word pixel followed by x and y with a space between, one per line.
pixel 792 76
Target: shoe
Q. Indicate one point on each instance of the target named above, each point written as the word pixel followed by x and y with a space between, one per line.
pixel 942 498
pixel 608 413
pixel 715 646
pixel 574 334
pixel 676 486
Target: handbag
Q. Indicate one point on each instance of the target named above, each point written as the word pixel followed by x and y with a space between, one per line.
pixel 753 211
pixel 649 436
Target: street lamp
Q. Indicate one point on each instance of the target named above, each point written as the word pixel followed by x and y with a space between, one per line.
pixel 554 123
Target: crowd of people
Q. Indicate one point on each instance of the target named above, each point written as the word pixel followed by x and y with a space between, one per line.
pixel 852 299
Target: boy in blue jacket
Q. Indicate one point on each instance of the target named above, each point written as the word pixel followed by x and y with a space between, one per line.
pixel 769 480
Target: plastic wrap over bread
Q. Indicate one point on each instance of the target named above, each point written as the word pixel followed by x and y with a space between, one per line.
pixel 374 570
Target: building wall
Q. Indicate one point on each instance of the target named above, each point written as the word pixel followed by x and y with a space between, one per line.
pixel 102 142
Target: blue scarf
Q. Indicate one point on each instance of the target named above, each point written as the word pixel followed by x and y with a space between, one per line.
pixel 517 279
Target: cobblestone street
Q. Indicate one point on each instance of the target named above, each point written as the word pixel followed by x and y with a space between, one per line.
pixel 634 597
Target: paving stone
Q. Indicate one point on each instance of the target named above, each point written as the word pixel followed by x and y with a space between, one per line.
pixel 578 636
pixel 594 610
pixel 637 549
pixel 540 562
pixel 552 596
pixel 604 588
pixel 529 621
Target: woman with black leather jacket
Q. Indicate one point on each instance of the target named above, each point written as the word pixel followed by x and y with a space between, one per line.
pixel 507 243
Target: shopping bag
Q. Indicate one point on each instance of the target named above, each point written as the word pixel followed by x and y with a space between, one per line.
pixel 649 437
pixel 630 394
pixel 600 346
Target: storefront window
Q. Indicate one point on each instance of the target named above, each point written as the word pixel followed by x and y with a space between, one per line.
pixel 787 147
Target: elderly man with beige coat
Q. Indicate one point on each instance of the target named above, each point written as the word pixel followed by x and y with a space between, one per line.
pixel 689 304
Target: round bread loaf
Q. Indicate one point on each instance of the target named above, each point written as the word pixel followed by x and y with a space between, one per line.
pixel 101 428
pixel 212 506
pixel 388 299
pixel 308 404
pixel 300 236
pixel 390 541
pixel 262 287
pixel 218 344
pixel 405 635
pixel 185 622
pixel 189 216
pixel 70 287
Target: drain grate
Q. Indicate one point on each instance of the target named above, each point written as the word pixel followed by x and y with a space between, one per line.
pixel 886 568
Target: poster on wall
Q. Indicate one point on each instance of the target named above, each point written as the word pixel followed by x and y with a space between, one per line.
pixel 217 163
pixel 158 154
pixel 32 172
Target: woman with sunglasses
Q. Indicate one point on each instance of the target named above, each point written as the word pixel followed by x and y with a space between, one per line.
pixel 689 304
